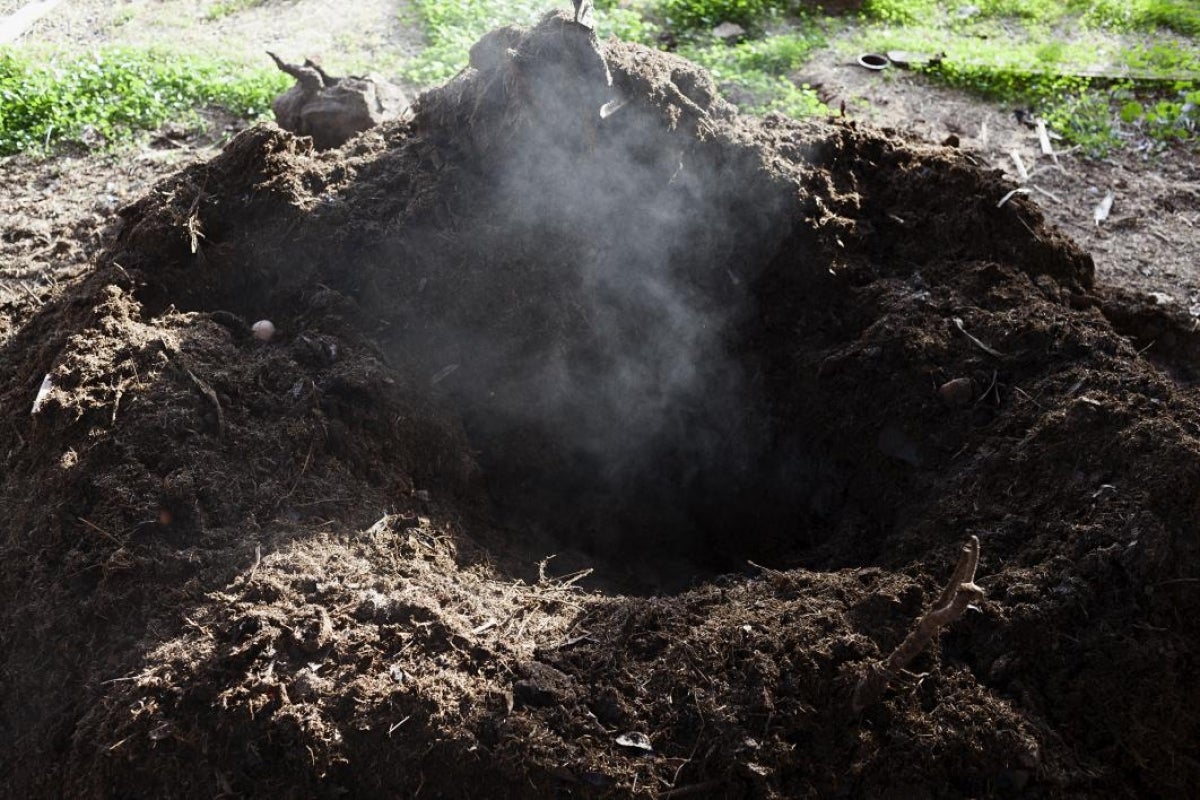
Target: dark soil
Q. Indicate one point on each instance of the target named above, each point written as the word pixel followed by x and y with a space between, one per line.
pixel 659 344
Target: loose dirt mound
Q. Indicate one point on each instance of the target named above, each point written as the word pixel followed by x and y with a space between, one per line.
pixel 659 341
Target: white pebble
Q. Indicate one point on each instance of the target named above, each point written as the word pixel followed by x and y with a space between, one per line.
pixel 264 329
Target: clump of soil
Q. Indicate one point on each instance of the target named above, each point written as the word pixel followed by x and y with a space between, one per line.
pixel 658 340
pixel 332 110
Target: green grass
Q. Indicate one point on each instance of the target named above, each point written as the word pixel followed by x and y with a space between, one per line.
pixel 110 95
pixel 1181 16
pixel 452 26
pixel 755 73
pixel 682 15
pixel 228 8
pixel 1087 66
pixel 1100 71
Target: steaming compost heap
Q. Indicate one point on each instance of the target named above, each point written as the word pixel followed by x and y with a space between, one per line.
pixel 659 343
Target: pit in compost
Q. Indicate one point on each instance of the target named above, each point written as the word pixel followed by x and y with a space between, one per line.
pixel 699 503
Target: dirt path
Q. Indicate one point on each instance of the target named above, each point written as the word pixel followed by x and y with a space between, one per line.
pixel 1151 239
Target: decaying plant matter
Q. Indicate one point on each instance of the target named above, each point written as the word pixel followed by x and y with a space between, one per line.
pixel 332 110
pixel 959 593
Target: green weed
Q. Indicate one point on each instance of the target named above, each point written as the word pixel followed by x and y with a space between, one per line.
pixel 755 73
pixel 681 15
pixel 110 95
pixel 228 8
pixel 1182 16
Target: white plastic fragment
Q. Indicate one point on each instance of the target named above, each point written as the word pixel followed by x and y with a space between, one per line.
pixel 636 740
pixel 42 393
pixel 611 107
pixel 264 329
pixel 1104 207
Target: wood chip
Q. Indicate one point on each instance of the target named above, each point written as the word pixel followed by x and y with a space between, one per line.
pixel 487 626
pixel 1044 141
pixel 1021 171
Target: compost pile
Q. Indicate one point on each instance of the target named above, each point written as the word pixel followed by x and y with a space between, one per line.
pixel 660 342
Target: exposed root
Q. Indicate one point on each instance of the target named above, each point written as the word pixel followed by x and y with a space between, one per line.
pixel 959 593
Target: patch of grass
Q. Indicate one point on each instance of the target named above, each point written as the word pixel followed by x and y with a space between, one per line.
pixel 681 15
pixel 227 8
pixel 1182 16
pixel 1071 60
pixel 1165 61
pixel 111 94
pixel 452 26
pixel 754 73
pixel 900 12
pixel 628 20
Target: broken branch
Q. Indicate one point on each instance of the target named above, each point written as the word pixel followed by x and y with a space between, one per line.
pixel 959 593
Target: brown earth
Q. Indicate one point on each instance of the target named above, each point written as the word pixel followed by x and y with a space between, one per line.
pixel 1151 240
pixel 660 344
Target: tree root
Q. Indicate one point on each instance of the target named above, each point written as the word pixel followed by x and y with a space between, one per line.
pixel 959 593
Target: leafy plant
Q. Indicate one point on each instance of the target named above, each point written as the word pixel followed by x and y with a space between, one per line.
pixel 109 95
pixel 684 14
pixel 227 8
pixel 755 73
pixel 452 26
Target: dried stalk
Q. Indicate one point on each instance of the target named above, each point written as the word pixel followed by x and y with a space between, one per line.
pixel 959 593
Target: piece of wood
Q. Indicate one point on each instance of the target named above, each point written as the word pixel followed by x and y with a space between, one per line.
pixel 953 602
pixel 1021 170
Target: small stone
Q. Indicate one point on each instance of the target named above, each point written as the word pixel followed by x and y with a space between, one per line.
pixel 729 31
pixel 957 392
pixel 636 740
pixel 263 330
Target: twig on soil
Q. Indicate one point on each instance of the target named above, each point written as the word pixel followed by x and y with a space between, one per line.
pixel 211 396
pixel 1049 194
pixel 774 573
pixel 192 225
pixel 1027 396
pixel 102 532
pixel 484 628
pixel 988 391
pixel 1044 141
pixel 1176 580
pixel 959 593
pixel 1022 172
pixel 685 791
pixel 1009 196
pixel 257 561
pixel 958 323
